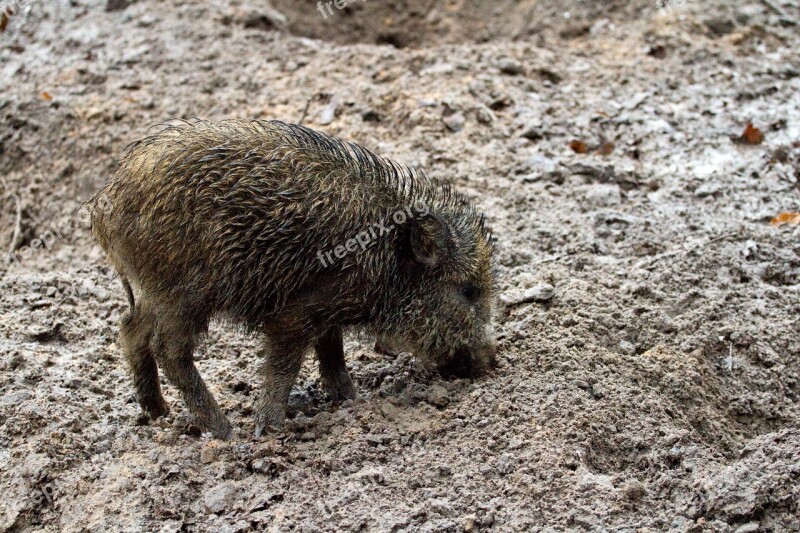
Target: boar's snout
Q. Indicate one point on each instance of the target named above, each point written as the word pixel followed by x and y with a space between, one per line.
pixel 471 361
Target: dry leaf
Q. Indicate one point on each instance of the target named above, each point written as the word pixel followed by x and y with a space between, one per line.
pixel 579 147
pixel 46 96
pixel 606 148
pixel 752 135
pixel 3 21
pixel 786 218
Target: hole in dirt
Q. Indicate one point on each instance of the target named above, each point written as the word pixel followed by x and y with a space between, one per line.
pixel 420 23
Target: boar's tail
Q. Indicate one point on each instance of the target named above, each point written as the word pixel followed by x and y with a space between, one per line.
pixel 129 292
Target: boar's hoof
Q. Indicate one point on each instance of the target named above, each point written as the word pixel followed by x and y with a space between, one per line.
pixel 222 431
pixel 340 388
pixel 155 408
pixel 269 421
pixel 266 430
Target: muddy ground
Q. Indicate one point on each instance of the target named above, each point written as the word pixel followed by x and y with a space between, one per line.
pixel 649 373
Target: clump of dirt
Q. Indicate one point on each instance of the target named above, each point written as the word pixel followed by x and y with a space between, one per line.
pixel 417 24
pixel 649 372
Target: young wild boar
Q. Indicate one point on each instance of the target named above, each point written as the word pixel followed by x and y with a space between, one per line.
pixel 296 235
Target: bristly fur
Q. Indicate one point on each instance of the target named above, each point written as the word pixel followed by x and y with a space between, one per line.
pixel 227 218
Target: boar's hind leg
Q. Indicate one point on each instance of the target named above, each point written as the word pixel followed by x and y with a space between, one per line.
pixel 173 346
pixel 136 330
pixel 284 359
pixel 332 367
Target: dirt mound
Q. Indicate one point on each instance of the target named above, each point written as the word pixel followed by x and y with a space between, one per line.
pixel 416 24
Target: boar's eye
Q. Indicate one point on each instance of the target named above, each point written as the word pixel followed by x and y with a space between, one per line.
pixel 471 292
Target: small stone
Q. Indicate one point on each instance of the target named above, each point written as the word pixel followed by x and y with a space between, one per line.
pixel 541 293
pixel 454 122
pixel 51 291
pixel 470 525
pixel 613 219
pixel 327 115
pixel 602 195
pixel 264 466
pixel 210 452
pixel 219 498
pixel 506 464
pixel 626 348
pixel 437 396
pixel 587 522
pixel 510 66
pixel 484 115
pixel 117 5
pixel 720 25
pixel 749 527
pixel 598 391
pixel 532 129
pixel 45 334
pixel 146 20
pixel 264 18
pixel 707 189
pixel 581 384
pixel 38 304
pixel 539 163
pixel 94 112
pixel 86 288
pixel 31 410
pixel 371 475
pixel 14 398
pixel 238 527
pixel 102 295
pixel 634 490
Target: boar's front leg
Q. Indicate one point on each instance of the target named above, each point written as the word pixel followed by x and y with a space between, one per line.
pixel 332 367
pixel 284 359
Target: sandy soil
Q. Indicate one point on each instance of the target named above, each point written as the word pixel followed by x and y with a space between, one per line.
pixel 649 373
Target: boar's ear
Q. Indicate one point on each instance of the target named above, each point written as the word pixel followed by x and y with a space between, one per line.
pixel 430 238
